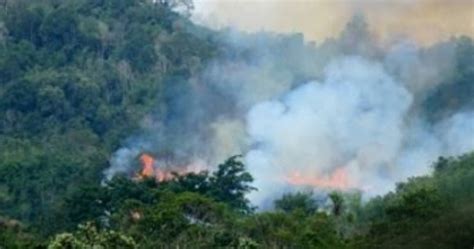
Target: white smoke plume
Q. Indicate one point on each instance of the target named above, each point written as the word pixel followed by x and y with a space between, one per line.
pixel 353 120
pixel 359 120
pixel 345 113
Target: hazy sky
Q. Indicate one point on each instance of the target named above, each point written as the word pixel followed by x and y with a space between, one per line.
pixel 425 21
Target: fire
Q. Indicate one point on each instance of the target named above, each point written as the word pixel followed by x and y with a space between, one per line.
pixel 337 180
pixel 162 175
pixel 148 169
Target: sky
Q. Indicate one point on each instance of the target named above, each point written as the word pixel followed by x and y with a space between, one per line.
pixel 424 21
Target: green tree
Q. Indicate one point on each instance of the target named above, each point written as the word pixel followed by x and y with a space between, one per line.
pixel 89 237
pixel 337 203
pixel 303 201
pixel 422 203
pixel 230 183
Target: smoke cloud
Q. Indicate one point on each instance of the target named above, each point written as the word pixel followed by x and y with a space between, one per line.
pixel 352 120
pixel 424 21
pixel 347 113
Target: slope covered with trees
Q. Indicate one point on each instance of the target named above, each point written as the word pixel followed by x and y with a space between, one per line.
pixel 76 79
pixel 188 212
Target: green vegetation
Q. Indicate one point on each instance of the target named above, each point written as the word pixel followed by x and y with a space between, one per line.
pixel 72 87
pixel 425 212
pixel 87 236
pixel 77 76
pixel 431 211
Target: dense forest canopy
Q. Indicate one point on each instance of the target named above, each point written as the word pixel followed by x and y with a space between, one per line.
pixel 84 82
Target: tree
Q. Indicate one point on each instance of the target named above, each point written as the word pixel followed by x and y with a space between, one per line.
pixel 441 164
pixel 421 203
pixel 14 234
pixel 302 201
pixel 184 220
pixel 357 39
pixel 337 203
pixel 191 182
pixel 88 237
pixel 230 183
pixel 139 50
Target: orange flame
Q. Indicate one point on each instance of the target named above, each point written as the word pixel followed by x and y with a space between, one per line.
pixel 147 165
pixel 149 170
pixel 337 180
pixel 162 175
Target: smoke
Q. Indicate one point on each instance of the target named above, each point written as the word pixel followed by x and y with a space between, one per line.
pixel 352 120
pixel 359 120
pixel 457 133
pixel 424 21
pixel 347 113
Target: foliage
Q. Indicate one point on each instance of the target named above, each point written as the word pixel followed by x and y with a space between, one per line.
pixel 425 212
pixel 231 183
pixel 77 76
pixel 14 234
pixel 337 203
pixel 88 237
pixel 300 201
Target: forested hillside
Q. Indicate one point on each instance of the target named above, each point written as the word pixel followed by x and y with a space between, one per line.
pixel 77 78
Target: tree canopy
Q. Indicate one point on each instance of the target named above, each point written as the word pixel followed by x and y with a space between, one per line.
pixel 78 76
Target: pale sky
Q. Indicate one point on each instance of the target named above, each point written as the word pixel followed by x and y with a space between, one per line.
pixel 424 21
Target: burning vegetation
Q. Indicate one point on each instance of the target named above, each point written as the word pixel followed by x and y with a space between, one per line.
pixel 338 179
pixel 150 168
pixel 166 98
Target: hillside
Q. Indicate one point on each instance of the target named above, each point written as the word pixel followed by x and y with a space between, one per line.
pixel 76 79
pixel 87 88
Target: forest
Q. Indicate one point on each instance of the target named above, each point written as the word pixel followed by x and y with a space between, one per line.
pixel 80 77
